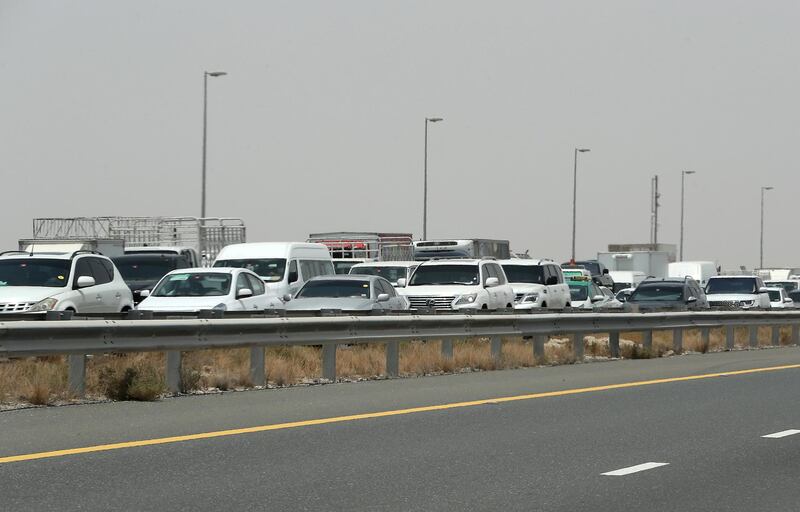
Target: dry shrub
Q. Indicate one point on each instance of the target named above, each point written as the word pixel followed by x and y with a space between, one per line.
pixel 222 369
pixel 559 352
pixel 361 361
pixel 290 365
pixel 517 354
pixel 38 381
pixel 140 382
pixel 422 358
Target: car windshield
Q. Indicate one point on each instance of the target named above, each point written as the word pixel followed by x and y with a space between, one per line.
pixel 335 288
pixel 268 269
pixel 533 274
pixel 578 292
pixel 774 295
pixel 34 272
pixel 445 274
pixel 789 286
pixel 146 269
pixel 391 274
pixel 201 284
pixel 591 266
pixel 731 285
pixel 657 292
pixel 343 267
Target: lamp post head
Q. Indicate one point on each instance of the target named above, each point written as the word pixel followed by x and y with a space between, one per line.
pixel 216 73
pixel 767 188
pixel 434 119
pixel 689 172
pixel 582 150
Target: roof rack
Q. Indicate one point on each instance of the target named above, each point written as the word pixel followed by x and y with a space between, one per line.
pixel 14 252
pixel 84 251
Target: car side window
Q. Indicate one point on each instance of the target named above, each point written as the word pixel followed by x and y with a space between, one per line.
pixel 99 272
pixel 547 272
pixel 385 287
pixel 82 268
pixel 559 274
pixel 489 272
pixel 256 284
pixel 501 276
pixel 242 282
pixel 293 276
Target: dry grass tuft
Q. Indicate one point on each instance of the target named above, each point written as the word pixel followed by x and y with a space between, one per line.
pixel 38 381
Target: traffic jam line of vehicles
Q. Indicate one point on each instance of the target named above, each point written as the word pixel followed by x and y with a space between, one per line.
pixel 187 264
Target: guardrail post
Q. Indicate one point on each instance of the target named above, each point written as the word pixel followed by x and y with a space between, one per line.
pixel 393 358
pixel 538 346
pixel 705 337
pixel 174 358
pixel 497 348
pixel 753 336
pixel 329 362
pixel 795 334
pixel 677 340
pixel 776 335
pixel 730 337
pixel 258 374
pixel 613 343
pixel 647 340
pixel 447 348
pixel 577 345
pixel 77 375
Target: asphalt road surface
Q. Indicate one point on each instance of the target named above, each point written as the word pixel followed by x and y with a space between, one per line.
pixel 569 440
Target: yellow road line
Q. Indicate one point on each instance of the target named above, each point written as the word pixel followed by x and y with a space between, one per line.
pixel 371 415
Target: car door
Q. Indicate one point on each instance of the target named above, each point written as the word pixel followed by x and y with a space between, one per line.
pixel 90 298
pixel 103 272
pixel 260 297
pixel 491 293
pixel 246 303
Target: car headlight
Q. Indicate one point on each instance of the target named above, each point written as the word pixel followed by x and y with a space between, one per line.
pixel 220 307
pixel 747 302
pixel 530 297
pixel 44 305
pixel 467 298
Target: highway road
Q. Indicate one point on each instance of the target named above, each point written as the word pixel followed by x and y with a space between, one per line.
pixel 680 433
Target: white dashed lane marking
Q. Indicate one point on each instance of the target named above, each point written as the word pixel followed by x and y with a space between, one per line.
pixel 636 469
pixel 778 435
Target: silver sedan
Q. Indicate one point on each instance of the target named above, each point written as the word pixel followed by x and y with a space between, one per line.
pixel 348 293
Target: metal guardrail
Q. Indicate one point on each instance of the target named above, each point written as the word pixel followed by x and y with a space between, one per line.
pixel 77 338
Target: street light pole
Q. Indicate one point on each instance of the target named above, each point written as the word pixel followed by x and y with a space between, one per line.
pixel 206 74
pixel 425 172
pixel 575 195
pixel 761 254
pixel 683 192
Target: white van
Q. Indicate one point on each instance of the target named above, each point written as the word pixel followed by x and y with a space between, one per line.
pixel 283 266
pixel 700 271
pixel 626 279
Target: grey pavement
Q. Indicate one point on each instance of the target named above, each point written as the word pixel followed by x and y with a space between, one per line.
pixel 542 454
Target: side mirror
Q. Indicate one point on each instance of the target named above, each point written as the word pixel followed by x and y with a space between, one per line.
pixel 598 298
pixel 401 283
pixel 787 300
pixel 551 281
pixel 691 300
pixel 763 289
pixel 491 282
pixel 244 293
pixel 605 271
pixel 383 297
pixel 144 293
pixel 287 297
pixel 85 281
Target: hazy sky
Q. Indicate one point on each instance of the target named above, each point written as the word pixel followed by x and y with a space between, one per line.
pixel 319 125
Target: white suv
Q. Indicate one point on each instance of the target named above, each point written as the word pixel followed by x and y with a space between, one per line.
pixel 745 292
pixel 537 284
pixel 458 284
pixel 83 282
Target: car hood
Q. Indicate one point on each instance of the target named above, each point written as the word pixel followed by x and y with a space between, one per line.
pixel 731 296
pixel 181 303
pixel 438 291
pixel 29 293
pixel 527 287
pixel 317 303
pixel 655 304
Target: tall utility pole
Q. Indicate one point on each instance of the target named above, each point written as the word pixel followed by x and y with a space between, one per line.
pixel 654 204
pixel 425 192
pixel 683 192
pixel 761 253
pixel 206 74
pixel 575 195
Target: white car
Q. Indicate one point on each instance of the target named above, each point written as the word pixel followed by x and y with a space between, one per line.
pixel 741 292
pixel 390 270
pixel 221 288
pixel 458 284
pixel 82 281
pixel 347 293
pixel 779 299
pixel 537 284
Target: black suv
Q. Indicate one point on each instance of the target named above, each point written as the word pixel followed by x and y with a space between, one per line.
pixel 677 294
pixel 599 271
pixel 143 271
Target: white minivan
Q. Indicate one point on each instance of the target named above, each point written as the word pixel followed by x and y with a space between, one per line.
pixel 283 266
